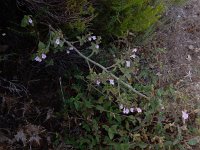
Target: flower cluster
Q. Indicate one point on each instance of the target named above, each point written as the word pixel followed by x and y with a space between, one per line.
pixel 93 38
pixel 90 38
pixel 111 82
pixel 129 110
pixel 39 59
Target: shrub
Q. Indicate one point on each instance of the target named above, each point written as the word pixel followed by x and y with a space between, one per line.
pixel 117 17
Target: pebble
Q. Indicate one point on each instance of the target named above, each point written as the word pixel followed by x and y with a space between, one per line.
pixel 191 47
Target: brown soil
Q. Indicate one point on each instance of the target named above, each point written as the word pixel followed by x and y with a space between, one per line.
pixel 181 38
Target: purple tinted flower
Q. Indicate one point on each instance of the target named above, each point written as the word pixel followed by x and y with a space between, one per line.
pixel 111 81
pixel 131 109
pixel 57 41
pixel 139 110
pixel 97 46
pixel 185 115
pixel 38 59
pixel 30 20
pixel 134 50
pixel 126 111
pixel 94 37
pixel 71 48
pixel 44 56
pixel 98 82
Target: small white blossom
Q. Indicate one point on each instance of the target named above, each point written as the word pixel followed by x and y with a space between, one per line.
pixel 98 82
pixel 134 50
pixel 30 20
pixel 89 39
pixel 133 56
pixel 68 52
pixel 94 37
pixel 111 81
pixel 121 106
pixel 139 110
pixel 131 109
pixel 185 115
pixel 128 63
pixel 97 46
pixel 71 48
pixel 38 59
pixel 126 111
pixel 44 56
pixel 3 34
pixel 57 41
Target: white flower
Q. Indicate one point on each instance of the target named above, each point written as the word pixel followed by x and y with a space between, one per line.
pixel 94 37
pixel 139 110
pixel 3 34
pixel 89 39
pixel 111 81
pixel 98 82
pixel 131 109
pixel 97 46
pixel 126 111
pixel 68 52
pixel 185 115
pixel 121 106
pixel 57 41
pixel 44 56
pixel 30 20
pixel 38 59
pixel 134 50
pixel 128 63
pixel 133 56
pixel 71 48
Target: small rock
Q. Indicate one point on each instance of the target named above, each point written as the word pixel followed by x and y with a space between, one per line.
pixel 191 47
pixel 197 50
pixel 189 58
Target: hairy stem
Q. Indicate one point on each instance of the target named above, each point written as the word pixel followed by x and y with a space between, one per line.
pixel 103 68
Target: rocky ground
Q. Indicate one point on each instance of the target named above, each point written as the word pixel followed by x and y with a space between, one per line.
pixel 181 38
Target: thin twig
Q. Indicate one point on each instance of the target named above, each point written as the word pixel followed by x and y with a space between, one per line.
pixel 60 81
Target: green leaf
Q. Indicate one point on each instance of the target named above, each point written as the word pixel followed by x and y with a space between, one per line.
pixel 24 21
pixel 110 133
pixel 142 145
pixel 193 141
pixel 98 107
pixel 41 45
pixel 88 104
